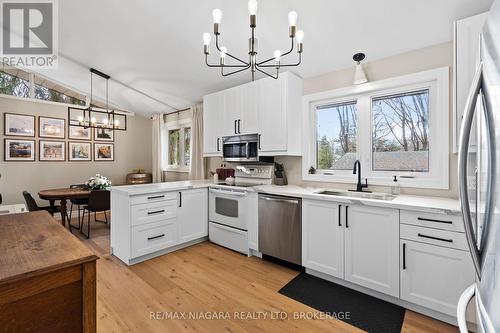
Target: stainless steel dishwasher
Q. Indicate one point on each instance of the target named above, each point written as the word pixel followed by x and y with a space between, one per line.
pixel 280 227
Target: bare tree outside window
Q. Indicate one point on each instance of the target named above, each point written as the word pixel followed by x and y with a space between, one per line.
pixel 187 146
pixel 336 131
pixel 13 85
pixel 400 132
pixel 173 147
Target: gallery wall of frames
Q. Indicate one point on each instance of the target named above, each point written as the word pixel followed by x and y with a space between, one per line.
pixel 30 138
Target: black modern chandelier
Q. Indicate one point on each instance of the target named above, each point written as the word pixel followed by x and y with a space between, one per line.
pixel 94 117
pixel 239 65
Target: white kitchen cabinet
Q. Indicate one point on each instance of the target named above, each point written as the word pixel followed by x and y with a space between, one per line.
pixel 249 117
pixel 323 237
pixel 271 108
pixel 149 221
pixel 434 276
pixel 279 107
pixel 232 111
pixel 213 120
pixel 466 58
pixel 193 214
pixel 372 248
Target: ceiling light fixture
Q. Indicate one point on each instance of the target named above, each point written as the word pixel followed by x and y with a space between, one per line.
pixel 239 65
pixel 97 117
pixel 359 74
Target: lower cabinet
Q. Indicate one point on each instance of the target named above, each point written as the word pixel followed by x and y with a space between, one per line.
pixel 193 214
pixel 353 242
pixel 434 276
pixel 372 248
pixel 323 237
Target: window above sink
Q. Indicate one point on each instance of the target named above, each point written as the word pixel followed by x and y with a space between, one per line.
pixel 395 127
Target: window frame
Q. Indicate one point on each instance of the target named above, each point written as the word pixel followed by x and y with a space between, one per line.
pixel 180 124
pixel 435 80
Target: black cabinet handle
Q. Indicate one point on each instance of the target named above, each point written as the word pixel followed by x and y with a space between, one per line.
pixel 180 199
pixel 156 197
pixel 259 142
pixel 156 212
pixel 235 128
pixel 433 220
pixel 340 208
pixel 404 255
pixel 436 238
pixel 156 237
pixel 346 217
pixel 239 126
pixel 218 149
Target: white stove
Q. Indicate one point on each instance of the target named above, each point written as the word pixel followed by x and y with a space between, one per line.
pixel 231 206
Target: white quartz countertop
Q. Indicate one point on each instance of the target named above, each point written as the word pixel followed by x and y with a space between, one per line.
pixel 410 202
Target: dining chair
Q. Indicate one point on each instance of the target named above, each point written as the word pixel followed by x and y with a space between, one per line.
pixel 79 202
pixel 99 201
pixel 33 206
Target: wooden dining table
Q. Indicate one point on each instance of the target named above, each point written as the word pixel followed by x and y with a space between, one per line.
pixel 64 194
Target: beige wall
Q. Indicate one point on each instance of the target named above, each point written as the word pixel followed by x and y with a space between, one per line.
pixel 411 62
pixel 132 151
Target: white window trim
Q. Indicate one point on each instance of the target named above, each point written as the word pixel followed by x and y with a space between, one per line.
pixel 436 80
pixel 173 125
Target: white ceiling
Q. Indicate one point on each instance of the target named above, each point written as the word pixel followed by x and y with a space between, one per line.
pixel 155 46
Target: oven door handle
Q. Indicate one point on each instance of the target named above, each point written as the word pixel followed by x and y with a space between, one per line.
pixel 239 194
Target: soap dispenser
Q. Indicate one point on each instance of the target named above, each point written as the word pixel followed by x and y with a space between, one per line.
pixel 395 188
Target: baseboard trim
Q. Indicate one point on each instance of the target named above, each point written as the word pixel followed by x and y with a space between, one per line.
pixel 145 257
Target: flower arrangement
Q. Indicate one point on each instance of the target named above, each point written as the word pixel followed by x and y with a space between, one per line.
pixel 98 182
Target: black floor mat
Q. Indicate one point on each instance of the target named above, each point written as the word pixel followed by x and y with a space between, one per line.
pixel 363 311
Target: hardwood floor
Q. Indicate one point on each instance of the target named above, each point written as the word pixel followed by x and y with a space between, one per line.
pixel 202 279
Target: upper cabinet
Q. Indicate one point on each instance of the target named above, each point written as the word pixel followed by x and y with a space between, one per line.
pixel 268 107
pixel 213 117
pixel 466 60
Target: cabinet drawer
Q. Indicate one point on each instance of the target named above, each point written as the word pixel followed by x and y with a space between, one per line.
pixel 432 220
pixel 152 197
pixel 153 212
pixel 231 238
pixel 153 237
pixel 451 239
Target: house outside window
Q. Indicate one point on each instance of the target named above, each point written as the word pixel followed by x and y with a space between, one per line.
pixel 394 127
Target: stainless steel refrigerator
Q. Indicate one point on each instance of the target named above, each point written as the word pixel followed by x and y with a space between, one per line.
pixel 481 206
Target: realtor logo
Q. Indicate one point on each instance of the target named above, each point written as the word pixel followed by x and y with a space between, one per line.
pixel 29 33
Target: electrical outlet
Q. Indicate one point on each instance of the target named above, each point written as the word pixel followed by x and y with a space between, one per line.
pixel 471 182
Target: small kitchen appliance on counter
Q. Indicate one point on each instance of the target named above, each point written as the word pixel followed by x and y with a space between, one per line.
pixel 279 174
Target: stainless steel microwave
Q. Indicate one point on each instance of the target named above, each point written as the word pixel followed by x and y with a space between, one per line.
pixel 240 148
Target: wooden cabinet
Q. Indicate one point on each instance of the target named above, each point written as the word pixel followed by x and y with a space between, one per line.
pixel 371 248
pixel 47 277
pixel 466 58
pixel 434 276
pixel 193 214
pixel 271 108
pixel 323 237
pixel 213 120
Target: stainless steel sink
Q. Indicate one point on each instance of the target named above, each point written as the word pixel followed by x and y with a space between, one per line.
pixel 364 195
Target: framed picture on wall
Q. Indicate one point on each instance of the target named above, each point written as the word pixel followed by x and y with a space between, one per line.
pixel 19 125
pixel 79 151
pixel 104 152
pixel 19 150
pixel 49 127
pixel 51 151
pixel 103 134
pixel 79 133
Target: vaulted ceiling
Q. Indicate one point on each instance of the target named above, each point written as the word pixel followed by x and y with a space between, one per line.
pixel 155 46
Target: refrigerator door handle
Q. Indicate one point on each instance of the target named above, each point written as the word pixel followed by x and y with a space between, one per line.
pixel 462 167
pixel 462 307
